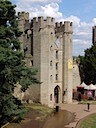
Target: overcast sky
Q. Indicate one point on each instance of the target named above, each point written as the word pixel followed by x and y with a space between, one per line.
pixel 81 12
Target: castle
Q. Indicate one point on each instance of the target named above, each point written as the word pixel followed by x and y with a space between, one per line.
pixel 48 48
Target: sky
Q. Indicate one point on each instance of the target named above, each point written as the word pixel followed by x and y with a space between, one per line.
pixel 81 12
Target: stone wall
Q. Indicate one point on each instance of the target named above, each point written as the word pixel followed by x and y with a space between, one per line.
pixel 48 43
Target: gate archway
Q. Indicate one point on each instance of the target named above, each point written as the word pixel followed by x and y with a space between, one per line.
pixel 57 94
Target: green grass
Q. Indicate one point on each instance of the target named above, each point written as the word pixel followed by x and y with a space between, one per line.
pixel 87 101
pixel 44 111
pixel 89 122
pixel 41 113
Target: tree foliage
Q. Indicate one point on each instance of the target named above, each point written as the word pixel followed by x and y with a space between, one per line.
pixel 88 65
pixel 12 65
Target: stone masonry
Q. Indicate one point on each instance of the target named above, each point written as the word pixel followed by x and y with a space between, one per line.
pixel 47 47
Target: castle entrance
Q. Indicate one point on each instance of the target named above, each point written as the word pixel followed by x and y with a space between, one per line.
pixel 57 94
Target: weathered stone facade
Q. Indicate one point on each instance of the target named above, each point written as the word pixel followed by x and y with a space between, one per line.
pixel 93 34
pixel 76 73
pixel 48 47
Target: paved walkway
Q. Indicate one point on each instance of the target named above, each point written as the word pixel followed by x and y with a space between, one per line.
pixel 80 111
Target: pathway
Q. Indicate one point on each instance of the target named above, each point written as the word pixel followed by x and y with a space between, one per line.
pixel 63 118
pixel 80 111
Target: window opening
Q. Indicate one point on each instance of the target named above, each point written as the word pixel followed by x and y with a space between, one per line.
pixel 56 54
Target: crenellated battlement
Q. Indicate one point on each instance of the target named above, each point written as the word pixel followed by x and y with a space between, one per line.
pixel 65 27
pixel 41 22
pixel 23 16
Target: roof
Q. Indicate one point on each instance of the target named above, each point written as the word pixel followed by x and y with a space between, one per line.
pixel 90 87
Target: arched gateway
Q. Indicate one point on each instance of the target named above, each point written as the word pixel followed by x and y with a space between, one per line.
pixel 57 94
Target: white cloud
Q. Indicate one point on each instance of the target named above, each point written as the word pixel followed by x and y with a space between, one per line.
pixel 41 1
pixel 74 19
pixel 82 35
pixel 51 9
pixel 94 21
pixel 79 42
pixel 82 31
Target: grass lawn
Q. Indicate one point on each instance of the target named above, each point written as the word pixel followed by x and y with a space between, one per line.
pixel 43 111
pixel 89 122
pixel 87 101
pixel 34 118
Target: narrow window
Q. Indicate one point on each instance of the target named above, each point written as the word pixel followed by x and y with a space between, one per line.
pixel 32 62
pixel 56 76
pixel 51 47
pixel 56 54
pixel 51 63
pixel 56 66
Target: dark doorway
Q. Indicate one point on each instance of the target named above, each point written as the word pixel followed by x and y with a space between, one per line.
pixel 56 94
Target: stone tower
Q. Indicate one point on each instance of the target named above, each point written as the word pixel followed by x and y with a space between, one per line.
pixel 93 34
pixel 50 45
pixel 67 64
pixel 25 39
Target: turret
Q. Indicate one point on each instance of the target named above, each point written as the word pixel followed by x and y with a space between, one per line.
pixel 23 25
pixel 40 22
pixel 64 27
pixel 23 16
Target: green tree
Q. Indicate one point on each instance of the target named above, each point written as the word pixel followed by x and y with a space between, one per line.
pixel 12 65
pixel 81 66
pixel 88 65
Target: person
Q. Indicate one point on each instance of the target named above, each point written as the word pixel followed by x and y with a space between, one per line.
pixel 88 106
pixel 79 97
pixel 89 95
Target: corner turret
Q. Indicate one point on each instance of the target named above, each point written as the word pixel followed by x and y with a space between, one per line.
pixel 65 27
pixel 23 16
pixel 40 22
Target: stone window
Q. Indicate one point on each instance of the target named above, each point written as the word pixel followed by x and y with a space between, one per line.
pixel 32 62
pixel 51 48
pixel 56 66
pixel 51 63
pixel 51 33
pixel 56 76
pixel 56 54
